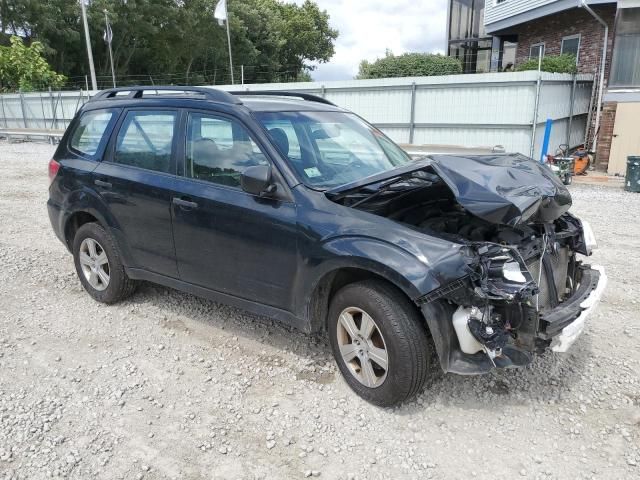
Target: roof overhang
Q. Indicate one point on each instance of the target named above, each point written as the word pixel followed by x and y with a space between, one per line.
pixel 535 13
pixel 623 95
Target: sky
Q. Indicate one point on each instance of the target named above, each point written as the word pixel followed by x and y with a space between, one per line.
pixel 369 27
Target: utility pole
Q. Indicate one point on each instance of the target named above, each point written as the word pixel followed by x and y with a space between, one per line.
pixel 108 38
pixel 221 14
pixel 230 57
pixel 87 39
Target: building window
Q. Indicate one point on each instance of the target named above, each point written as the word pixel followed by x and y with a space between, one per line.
pixel 535 49
pixel 625 70
pixel 571 45
pixel 509 50
pixel 475 55
pixel 468 40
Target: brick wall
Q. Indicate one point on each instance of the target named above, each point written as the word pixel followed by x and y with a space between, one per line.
pixel 551 29
pixel 607 121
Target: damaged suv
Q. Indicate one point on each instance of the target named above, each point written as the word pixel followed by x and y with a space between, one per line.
pixel 288 206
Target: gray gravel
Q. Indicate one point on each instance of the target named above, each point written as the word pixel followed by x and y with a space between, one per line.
pixel 166 385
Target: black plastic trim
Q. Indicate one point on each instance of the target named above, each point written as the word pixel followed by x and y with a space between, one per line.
pixel 555 320
pixel 137 92
pixel 249 305
pixel 274 93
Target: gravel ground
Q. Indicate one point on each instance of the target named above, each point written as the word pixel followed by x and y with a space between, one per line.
pixel 166 385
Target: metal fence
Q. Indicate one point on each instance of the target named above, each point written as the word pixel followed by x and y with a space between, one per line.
pixel 508 109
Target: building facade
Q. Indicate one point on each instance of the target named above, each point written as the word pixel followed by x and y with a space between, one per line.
pixel 519 30
pixel 467 39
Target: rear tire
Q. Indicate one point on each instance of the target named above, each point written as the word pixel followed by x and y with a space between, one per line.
pixel 99 265
pixel 396 328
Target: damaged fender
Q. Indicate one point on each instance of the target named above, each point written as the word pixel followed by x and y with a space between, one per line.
pixel 498 275
pixel 411 270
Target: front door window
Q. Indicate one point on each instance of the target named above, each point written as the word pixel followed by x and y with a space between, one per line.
pixel 219 150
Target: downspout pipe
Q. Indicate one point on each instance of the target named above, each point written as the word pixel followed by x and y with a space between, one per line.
pixel 603 63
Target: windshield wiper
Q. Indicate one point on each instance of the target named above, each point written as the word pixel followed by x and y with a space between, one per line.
pixel 342 191
pixel 383 187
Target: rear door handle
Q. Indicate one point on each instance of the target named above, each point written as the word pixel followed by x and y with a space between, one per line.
pixel 184 203
pixel 102 184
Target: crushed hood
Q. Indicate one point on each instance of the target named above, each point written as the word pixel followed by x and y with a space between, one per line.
pixel 504 189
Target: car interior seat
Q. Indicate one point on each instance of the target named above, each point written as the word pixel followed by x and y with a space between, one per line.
pixel 281 140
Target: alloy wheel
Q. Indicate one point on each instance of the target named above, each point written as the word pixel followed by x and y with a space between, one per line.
pixel 95 264
pixel 362 347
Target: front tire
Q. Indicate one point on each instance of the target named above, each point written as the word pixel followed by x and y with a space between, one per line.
pixel 379 341
pixel 99 265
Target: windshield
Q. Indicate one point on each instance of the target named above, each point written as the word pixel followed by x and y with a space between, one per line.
pixel 328 149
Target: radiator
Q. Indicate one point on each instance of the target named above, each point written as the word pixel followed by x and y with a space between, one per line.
pixel 560 265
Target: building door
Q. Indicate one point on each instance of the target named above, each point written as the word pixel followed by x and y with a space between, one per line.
pixel 626 137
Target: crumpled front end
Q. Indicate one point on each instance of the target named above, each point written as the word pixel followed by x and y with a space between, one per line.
pixel 518 301
pixel 524 288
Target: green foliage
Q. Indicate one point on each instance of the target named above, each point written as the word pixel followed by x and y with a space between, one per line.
pixel 24 68
pixel 409 65
pixel 176 41
pixel 304 76
pixel 551 63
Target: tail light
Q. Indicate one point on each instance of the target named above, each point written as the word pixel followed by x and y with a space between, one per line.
pixel 53 170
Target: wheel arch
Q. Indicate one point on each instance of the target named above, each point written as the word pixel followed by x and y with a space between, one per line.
pixel 333 280
pixel 349 258
pixel 74 222
pixel 83 205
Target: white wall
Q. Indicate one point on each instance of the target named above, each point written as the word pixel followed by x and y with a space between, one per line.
pixel 494 11
pixel 466 110
pixel 463 110
pixel 497 15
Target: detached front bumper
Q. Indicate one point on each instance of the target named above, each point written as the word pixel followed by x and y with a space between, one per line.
pixel 564 324
pixel 556 329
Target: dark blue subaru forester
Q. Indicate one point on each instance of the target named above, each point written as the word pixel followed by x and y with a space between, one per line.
pixel 288 206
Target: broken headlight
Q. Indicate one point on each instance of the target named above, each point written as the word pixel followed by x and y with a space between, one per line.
pixel 512 271
pixel 503 274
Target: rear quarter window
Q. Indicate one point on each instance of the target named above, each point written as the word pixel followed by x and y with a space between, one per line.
pixel 89 133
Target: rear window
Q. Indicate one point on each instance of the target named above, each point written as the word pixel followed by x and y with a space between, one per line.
pixel 87 136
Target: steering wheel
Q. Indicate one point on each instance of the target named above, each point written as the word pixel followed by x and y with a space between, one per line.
pixel 355 161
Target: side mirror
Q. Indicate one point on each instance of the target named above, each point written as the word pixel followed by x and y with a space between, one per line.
pixel 257 180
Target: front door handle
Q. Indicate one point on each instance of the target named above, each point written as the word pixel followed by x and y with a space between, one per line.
pixel 184 203
pixel 102 184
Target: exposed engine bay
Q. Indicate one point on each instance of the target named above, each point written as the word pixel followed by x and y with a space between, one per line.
pixel 525 282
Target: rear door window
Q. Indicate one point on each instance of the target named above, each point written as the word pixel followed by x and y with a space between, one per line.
pixel 87 138
pixel 145 140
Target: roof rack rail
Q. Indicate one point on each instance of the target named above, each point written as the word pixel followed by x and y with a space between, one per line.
pixel 137 92
pixel 305 96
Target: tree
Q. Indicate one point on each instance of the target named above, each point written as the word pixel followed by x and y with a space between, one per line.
pixel 24 68
pixel 176 41
pixel 409 65
pixel 55 23
pixel 565 63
